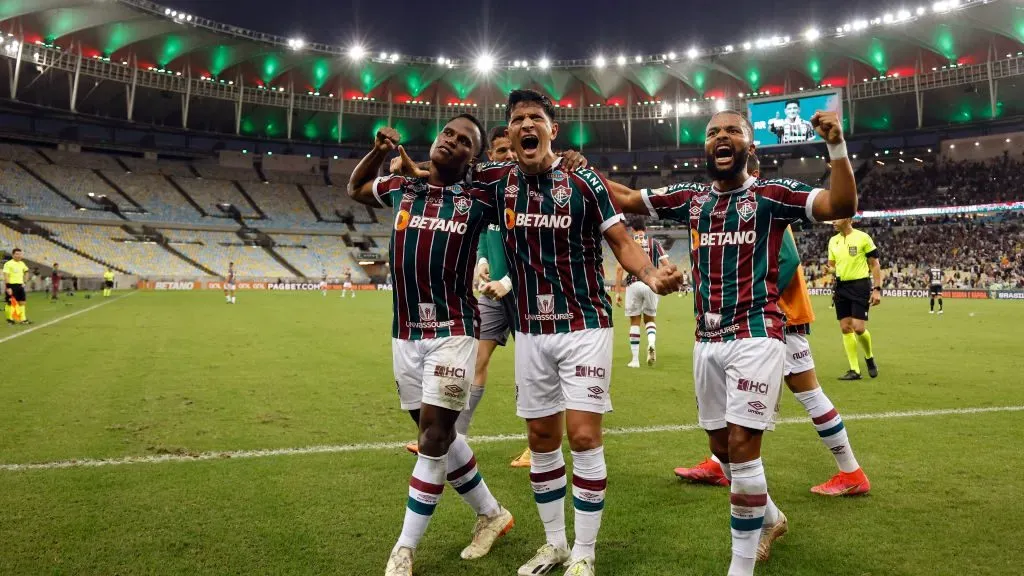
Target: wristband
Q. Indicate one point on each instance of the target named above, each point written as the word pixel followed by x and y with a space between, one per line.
pixel 876 288
pixel 837 151
pixel 507 283
pixel 482 261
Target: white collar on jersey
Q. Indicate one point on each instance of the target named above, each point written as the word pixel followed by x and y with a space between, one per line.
pixel 558 160
pixel 746 185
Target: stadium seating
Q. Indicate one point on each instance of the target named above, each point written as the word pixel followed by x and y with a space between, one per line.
pixel 30 196
pixel 283 205
pixel 84 160
pixel 216 250
pixel 138 258
pixel 209 193
pixel 214 171
pixel 162 202
pixel 943 184
pixel 166 167
pixel 78 183
pixel 313 254
pixel 41 250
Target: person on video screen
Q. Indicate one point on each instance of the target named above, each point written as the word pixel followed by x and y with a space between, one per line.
pixel 791 129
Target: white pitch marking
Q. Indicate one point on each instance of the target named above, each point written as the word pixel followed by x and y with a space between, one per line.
pixel 377 446
pixel 62 318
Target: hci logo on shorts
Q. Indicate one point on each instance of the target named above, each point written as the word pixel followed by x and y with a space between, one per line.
pixel 591 372
pixel 545 303
pixel 745 385
pixel 428 313
pixel 449 372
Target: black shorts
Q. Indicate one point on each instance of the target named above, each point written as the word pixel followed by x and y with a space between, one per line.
pixel 108 283
pixel 853 299
pixel 17 291
pixel 935 290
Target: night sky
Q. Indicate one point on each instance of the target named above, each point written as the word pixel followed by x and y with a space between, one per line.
pixel 562 29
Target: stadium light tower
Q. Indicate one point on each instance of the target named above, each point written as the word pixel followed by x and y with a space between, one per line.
pixel 544 63
pixel 692 53
pixel 485 63
pixel 356 52
pixel 296 43
pixel 621 60
pixel 600 62
pixel 812 34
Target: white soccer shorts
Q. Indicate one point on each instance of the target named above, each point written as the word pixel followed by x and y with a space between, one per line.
pixel 229 287
pixel 798 355
pixel 347 285
pixel 435 371
pixel 640 299
pixel 738 382
pixel 558 372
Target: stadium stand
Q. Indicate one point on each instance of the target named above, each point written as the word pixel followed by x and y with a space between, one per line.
pixel 41 250
pixel 216 250
pixel 208 194
pixel 165 167
pixel 944 183
pixel 79 183
pixel 159 198
pixel 111 244
pixel 282 204
pixel 313 254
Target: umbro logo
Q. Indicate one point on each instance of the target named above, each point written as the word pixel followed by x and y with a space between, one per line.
pixel 757 405
pixel 596 390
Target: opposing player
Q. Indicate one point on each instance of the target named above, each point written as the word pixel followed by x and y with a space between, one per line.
pixel 801 379
pixel 14 279
pixel 229 288
pixel 54 283
pixel 552 226
pixel 347 282
pixel 792 129
pixel 108 282
pixel 435 328
pixel 737 228
pixel 935 288
pixel 641 301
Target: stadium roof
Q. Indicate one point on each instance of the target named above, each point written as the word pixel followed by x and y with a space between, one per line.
pixel 903 43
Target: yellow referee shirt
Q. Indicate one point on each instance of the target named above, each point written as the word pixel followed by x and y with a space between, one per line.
pixel 850 254
pixel 14 272
pixel 108 276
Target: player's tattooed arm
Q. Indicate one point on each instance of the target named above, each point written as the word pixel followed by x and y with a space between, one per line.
pixel 664 280
pixel 628 200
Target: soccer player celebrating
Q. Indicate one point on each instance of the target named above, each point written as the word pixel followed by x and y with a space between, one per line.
pixel 935 288
pixel 795 302
pixel 641 302
pixel 229 288
pixel 14 278
pixel 737 226
pixel 792 129
pixel 108 282
pixel 434 332
pixel 853 257
pixel 552 225
pixel 347 285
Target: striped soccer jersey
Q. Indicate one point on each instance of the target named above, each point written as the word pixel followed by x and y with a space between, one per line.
pixel 735 239
pixel 552 225
pixel 433 253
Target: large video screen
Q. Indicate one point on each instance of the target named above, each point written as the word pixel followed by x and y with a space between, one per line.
pixel 787 120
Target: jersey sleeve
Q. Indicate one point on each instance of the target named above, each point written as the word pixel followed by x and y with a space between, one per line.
pixel 487 175
pixel 384 187
pixel 790 200
pixel 869 246
pixel 789 260
pixel 831 251
pixel 485 198
pixel 669 203
pixel 600 206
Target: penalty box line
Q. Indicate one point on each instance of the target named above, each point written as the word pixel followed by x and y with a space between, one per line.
pixel 380 446
pixel 28 331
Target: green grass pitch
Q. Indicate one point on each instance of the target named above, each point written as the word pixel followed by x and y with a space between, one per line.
pixel 183 373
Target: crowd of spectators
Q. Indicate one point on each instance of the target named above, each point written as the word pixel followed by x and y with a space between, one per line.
pixel 943 183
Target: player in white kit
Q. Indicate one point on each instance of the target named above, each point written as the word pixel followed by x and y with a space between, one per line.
pixel 641 301
pixel 347 285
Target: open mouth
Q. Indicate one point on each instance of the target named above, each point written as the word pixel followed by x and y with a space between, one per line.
pixel 530 143
pixel 723 154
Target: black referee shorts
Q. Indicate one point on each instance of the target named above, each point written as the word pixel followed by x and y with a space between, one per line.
pixel 853 298
pixel 935 290
pixel 108 283
pixel 17 292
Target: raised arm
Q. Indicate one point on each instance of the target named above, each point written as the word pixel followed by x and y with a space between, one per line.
pixel 663 280
pixel 628 200
pixel 840 200
pixel 360 183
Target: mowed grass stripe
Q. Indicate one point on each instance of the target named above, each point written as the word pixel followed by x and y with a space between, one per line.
pixel 377 446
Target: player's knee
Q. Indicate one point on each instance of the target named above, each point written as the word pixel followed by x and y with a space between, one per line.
pixel 744 444
pixel 584 439
pixel 544 438
pixel 435 439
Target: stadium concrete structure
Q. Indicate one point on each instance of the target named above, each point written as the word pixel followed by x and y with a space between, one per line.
pixel 165 145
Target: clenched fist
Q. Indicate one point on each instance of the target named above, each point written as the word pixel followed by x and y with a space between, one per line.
pixel 828 126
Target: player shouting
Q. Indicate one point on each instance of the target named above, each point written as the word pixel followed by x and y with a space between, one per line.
pixel 737 228
pixel 435 328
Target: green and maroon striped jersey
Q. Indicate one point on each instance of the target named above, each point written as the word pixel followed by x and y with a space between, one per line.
pixel 652 247
pixel 735 239
pixel 433 255
pixel 552 225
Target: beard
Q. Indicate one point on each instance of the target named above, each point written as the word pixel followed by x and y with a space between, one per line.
pixel 739 163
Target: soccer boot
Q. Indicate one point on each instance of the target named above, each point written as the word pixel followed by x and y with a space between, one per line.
pixel 940 312
pixel 633 364
pixel 652 357
pixel 931 311
pixel 400 562
pixel 769 534
pixel 872 367
pixel 850 375
pixel 545 560
pixel 523 461
pixel 845 484
pixel 580 567
pixel 487 530
pixel 413 447
pixel 707 472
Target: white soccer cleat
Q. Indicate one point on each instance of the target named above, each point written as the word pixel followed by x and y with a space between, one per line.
pixel 652 357
pixel 769 534
pixel 931 311
pixel 545 560
pixel 487 530
pixel 940 311
pixel 633 364
pixel 580 567
pixel 400 562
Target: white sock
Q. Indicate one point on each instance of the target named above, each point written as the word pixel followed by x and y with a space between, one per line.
pixel 652 334
pixel 589 480
pixel 830 427
pixel 748 498
pixel 476 393
pixel 425 487
pixel 465 478
pixel 232 299
pixel 547 477
pixel 634 342
pixel 726 469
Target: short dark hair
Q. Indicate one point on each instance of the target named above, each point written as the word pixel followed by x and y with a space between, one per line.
pixel 54 264
pixel 517 97
pixel 746 121
pixel 753 164
pixel 496 132
pixel 15 250
pixel 479 127
pixel 794 101
pixel 637 222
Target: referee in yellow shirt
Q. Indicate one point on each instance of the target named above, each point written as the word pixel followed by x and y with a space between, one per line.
pixel 14 295
pixel 852 255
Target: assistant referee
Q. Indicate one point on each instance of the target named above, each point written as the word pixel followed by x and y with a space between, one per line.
pixel 852 255
pixel 14 295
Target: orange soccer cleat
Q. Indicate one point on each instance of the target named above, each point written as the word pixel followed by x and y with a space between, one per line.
pixel 413 447
pixel 845 484
pixel 707 472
